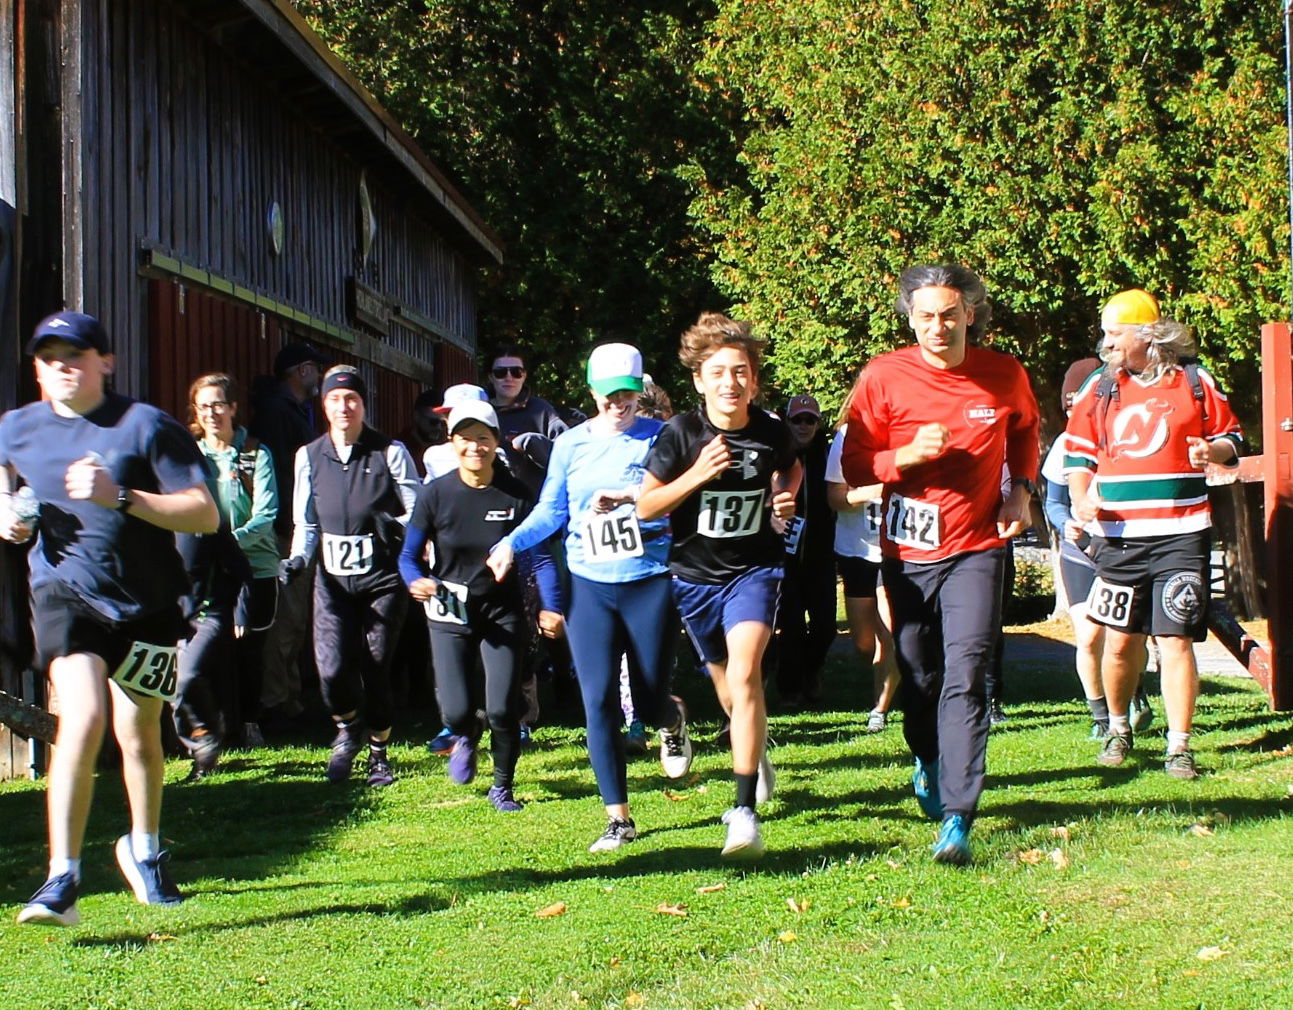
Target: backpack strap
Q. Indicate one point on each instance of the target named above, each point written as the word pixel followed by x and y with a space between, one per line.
pixel 247 465
pixel 1106 391
pixel 1191 369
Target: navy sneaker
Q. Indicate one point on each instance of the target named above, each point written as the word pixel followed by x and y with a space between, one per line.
pixel 462 761
pixel 379 769
pixel 150 879
pixel 503 800
pixel 206 751
pixel 953 843
pixel 924 782
pixel 635 740
pixel 527 735
pixel 54 904
pixel 442 743
pixel 348 742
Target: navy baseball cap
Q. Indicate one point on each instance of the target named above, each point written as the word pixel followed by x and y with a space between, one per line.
pixel 76 328
pixel 296 354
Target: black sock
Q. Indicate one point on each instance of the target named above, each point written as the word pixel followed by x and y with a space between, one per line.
pixel 1099 710
pixel 377 748
pixel 746 787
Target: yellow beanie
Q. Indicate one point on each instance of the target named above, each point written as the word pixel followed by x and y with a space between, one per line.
pixel 1131 307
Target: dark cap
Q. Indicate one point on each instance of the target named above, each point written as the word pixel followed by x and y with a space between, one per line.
pixel 296 354
pixel 76 328
pixel 1077 373
pixel 345 379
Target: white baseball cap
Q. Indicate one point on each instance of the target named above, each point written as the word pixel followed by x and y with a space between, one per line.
pixel 473 410
pixel 463 392
pixel 615 367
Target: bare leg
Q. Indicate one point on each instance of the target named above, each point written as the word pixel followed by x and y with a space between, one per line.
pixel 739 686
pixel 1121 668
pixel 137 724
pixel 1089 637
pixel 78 681
pixel 1179 674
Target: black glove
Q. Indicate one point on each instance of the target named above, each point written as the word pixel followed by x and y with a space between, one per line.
pixel 289 569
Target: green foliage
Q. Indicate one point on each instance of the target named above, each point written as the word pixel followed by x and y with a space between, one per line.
pixel 1064 149
pixel 564 123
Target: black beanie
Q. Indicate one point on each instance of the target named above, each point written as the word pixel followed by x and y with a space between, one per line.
pixel 346 380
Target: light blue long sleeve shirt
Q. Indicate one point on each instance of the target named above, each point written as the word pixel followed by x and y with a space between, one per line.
pixel 584 462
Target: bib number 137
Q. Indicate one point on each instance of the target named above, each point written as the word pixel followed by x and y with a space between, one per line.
pixel 726 514
pixel 912 523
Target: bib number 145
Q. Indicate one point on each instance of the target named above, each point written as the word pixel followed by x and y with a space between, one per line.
pixel 613 536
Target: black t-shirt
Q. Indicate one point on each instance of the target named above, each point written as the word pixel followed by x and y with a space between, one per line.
pixel 724 529
pixel 120 565
pixel 462 523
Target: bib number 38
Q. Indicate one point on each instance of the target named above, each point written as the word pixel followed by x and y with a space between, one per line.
pixel 612 536
pixel 725 514
pixel 149 669
pixel 913 523
pixel 1110 604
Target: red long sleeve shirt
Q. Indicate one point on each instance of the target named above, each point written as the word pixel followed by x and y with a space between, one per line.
pixel 948 505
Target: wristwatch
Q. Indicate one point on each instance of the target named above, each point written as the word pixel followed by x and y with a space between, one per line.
pixel 1024 483
pixel 124 501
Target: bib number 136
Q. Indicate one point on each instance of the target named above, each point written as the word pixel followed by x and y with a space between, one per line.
pixel 149 669
pixel 912 523
pixel 726 514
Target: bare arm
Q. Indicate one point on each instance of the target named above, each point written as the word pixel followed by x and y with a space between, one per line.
pixel 656 498
pixel 842 498
pixel 192 510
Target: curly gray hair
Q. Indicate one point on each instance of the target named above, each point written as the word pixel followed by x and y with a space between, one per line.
pixel 1168 344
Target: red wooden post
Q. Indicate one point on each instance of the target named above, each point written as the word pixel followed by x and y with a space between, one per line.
pixel 1277 448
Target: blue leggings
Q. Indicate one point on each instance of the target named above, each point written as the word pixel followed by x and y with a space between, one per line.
pixel 606 619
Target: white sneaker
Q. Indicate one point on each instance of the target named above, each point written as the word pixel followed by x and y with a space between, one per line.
pixel 743 838
pixel 617 833
pixel 767 784
pixel 876 722
pixel 675 748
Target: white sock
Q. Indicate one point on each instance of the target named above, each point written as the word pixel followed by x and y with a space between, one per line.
pixel 1119 725
pixel 144 846
pixel 1177 742
pixel 57 867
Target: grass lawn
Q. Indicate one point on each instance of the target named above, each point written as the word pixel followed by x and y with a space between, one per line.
pixel 1090 887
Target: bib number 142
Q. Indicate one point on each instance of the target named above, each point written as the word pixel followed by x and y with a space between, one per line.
pixel 912 523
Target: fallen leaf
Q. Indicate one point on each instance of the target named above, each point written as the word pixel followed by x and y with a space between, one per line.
pixel 1212 954
pixel 634 999
pixel 1044 916
pixel 669 794
pixel 872 876
pixel 1184 864
pixel 161 937
pixel 711 888
pixel 1030 856
pixel 892 865
pixel 798 907
pixel 1062 832
pixel 664 908
pixel 902 903
pixel 1060 859
pixel 559 908
pixel 1201 830
pixel 261 980
pixel 615 960
pixel 788 937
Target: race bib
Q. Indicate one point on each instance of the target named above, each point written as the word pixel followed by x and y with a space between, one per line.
pixel 913 523
pixel 794 534
pixel 149 669
pixel 872 513
pixel 726 514
pixel 347 555
pixel 1110 604
pixel 612 536
pixel 449 605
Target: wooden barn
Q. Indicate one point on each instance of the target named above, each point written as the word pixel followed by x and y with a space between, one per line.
pixel 209 180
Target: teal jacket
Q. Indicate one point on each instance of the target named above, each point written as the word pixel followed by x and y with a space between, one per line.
pixel 250 513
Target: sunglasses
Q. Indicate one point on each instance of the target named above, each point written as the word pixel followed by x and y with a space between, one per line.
pixel 515 371
pixel 803 419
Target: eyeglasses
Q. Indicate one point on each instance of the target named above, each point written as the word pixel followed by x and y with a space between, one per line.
pixel 215 406
pixel 515 371
pixel 804 419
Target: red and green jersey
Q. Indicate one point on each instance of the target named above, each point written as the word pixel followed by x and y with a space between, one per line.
pixel 1136 444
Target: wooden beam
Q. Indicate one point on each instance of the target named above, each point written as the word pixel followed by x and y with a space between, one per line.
pixel 1277 437
pixel 27 720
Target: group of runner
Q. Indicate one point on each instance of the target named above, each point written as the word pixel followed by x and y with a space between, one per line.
pixel 689 518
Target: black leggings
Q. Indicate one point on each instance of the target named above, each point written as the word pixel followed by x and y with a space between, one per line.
pixel 354 643
pixel 498 644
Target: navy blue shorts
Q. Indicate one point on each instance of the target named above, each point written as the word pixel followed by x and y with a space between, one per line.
pixel 65 625
pixel 710 612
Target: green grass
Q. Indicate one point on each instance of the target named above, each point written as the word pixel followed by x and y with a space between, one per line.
pixel 310 896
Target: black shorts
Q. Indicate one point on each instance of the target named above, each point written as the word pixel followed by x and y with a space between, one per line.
pixel 860 576
pixel 1152 585
pixel 65 625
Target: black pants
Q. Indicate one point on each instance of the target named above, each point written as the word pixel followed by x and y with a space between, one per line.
pixel 805 625
pixel 354 642
pixel 498 644
pixel 205 670
pixel 947 618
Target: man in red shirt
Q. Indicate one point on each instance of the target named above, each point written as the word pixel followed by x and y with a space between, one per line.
pixel 933 423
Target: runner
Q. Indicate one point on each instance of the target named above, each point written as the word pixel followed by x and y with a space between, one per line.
pixel 721 472
pixel 933 423
pixel 620 596
pixel 354 491
pixel 115 480
pixel 469 614
pixel 1141 432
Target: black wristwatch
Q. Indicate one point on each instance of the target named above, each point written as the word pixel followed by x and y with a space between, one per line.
pixel 1024 483
pixel 124 501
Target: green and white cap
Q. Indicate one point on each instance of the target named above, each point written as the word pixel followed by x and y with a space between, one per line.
pixel 615 367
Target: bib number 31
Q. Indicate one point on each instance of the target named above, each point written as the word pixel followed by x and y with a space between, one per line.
pixel 913 523
pixel 449 605
pixel 149 669
pixel 612 536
